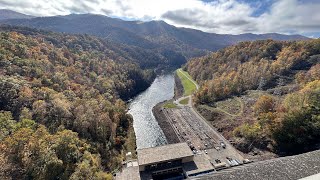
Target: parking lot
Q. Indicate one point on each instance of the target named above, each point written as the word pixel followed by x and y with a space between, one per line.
pixel 203 139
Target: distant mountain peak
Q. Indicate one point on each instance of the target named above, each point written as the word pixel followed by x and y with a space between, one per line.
pixel 154 35
pixel 152 22
pixel 9 14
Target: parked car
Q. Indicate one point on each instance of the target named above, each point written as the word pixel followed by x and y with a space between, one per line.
pixel 222 144
pixel 220 166
pixel 246 161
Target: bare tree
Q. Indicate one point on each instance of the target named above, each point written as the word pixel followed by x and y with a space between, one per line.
pixel 278 91
pixel 262 83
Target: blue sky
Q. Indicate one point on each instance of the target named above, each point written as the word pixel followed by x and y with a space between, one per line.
pixel 217 16
pixel 261 7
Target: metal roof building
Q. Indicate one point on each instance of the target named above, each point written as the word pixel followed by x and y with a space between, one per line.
pixel 164 153
pixel 158 162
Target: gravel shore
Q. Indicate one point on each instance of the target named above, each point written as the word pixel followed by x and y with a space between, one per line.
pixel 160 117
pixel 164 124
pixel 178 87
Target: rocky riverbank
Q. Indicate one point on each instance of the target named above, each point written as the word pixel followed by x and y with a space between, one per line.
pixel 161 118
pixel 164 124
pixel 178 87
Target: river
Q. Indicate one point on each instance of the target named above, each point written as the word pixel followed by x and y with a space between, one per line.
pixel 148 132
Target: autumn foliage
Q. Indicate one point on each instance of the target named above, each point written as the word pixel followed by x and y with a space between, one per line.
pixel 62 104
pixel 285 117
pixel 235 69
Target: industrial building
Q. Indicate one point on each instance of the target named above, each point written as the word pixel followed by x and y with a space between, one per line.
pixel 159 162
pixel 162 162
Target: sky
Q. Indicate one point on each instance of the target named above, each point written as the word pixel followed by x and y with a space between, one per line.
pixel 217 16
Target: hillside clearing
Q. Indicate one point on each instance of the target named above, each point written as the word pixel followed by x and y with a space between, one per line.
pixel 232 106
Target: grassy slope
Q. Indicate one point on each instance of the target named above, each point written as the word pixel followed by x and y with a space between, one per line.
pixel 184 101
pixel 188 85
pixel 169 105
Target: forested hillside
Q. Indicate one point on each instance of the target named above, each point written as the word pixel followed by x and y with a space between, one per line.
pixel 62 113
pixel 172 45
pixel 265 94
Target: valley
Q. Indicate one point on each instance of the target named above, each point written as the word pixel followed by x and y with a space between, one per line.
pixel 181 123
pixel 151 44
pixel 87 96
pixel 233 116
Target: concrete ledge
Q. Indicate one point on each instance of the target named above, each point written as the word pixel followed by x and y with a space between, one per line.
pixel 284 168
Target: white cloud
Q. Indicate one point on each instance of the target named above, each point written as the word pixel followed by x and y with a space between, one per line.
pixel 219 16
pixel 291 16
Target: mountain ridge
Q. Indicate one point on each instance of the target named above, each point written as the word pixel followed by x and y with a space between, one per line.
pixel 9 14
pixel 154 35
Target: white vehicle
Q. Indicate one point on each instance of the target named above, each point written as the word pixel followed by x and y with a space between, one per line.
pixel 234 162
pixel 220 166
pixel 238 161
pixel 230 163
pixel 246 161
pixel 222 144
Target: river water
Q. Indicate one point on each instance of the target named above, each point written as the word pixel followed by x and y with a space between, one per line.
pixel 148 132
